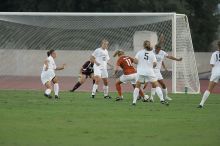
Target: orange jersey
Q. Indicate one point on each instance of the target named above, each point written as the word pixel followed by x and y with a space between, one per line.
pixel 126 63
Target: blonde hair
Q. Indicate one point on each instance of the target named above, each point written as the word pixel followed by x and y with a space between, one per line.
pixel 145 43
pixel 118 53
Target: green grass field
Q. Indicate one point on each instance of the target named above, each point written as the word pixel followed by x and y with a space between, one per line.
pixel 29 119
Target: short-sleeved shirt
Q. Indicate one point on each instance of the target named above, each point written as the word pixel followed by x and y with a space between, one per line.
pixel 102 57
pixel 160 57
pixel 145 62
pixel 126 63
pixel 215 60
pixel 51 64
pixel 87 68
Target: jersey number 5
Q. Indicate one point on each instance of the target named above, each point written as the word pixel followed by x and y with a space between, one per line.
pixel 146 56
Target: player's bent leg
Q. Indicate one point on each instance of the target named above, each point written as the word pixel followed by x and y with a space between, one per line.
pixel 207 93
pixel 159 93
pixel 164 90
pixel 81 80
pixel 153 93
pixel 48 90
pixel 118 88
pixel 136 92
pixel 56 87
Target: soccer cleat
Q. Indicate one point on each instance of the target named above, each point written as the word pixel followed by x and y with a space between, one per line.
pixel 71 90
pixel 133 104
pixel 199 106
pixel 118 98
pixel 48 96
pixel 168 98
pixel 56 97
pixel 164 102
pixel 109 97
pixel 93 96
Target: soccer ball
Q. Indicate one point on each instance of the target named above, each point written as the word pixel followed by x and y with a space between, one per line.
pixel 146 97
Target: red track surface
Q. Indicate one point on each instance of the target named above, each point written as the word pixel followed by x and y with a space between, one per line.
pixel 66 83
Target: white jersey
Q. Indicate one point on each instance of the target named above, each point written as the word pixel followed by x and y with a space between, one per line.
pixel 145 62
pixel 51 64
pixel 215 60
pixel 102 57
pixel 160 57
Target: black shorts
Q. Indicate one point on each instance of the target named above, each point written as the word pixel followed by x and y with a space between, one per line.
pixel 87 74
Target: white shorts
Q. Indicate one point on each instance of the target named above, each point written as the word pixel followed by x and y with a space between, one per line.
pixel 158 74
pixel 47 76
pixel 214 78
pixel 103 73
pixel 128 78
pixel 144 79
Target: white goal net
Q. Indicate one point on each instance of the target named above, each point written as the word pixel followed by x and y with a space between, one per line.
pixel 25 37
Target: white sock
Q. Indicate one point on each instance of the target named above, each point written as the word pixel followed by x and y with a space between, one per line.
pixel 159 93
pixel 164 93
pixel 48 91
pixel 153 92
pixel 56 88
pixel 94 88
pixel 135 94
pixel 204 97
pixel 105 88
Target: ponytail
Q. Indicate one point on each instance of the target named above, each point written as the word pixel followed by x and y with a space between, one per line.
pixel 50 52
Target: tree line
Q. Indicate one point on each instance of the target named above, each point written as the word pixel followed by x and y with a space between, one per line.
pixel 203 22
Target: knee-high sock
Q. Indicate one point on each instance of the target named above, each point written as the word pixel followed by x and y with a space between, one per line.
pixel 94 88
pixel 153 92
pixel 159 93
pixel 204 97
pixel 135 94
pixel 105 88
pixel 164 93
pixel 56 89
pixel 47 91
pixel 118 88
pixel 78 84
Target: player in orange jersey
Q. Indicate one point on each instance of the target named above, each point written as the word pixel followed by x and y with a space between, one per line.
pixel 126 64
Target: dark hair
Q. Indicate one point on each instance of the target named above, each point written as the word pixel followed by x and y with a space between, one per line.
pixel 219 44
pixel 50 52
pixel 157 46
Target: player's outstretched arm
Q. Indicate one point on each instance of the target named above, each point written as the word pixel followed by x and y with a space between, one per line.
pixel 61 67
pixel 174 58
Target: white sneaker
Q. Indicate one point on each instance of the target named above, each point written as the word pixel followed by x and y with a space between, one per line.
pixel 168 98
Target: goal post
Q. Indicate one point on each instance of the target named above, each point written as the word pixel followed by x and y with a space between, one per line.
pixel 27 35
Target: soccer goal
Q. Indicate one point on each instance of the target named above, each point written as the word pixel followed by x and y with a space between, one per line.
pixel 24 38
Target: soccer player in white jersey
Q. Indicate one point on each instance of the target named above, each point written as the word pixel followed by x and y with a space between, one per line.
pixel 48 74
pixel 146 61
pixel 215 76
pixel 160 56
pixel 100 58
